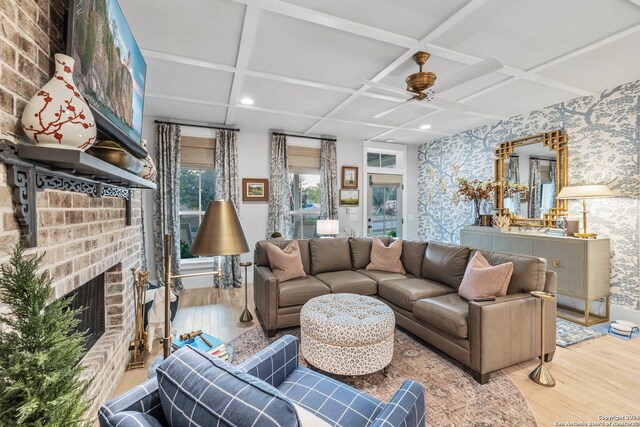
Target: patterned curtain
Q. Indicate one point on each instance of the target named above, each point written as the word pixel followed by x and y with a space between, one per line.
pixel 328 180
pixel 514 176
pixel 279 218
pixel 552 174
pixel 227 187
pixel 535 189
pixel 166 199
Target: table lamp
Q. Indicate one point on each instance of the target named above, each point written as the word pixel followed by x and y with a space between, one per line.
pixel 328 227
pixel 585 192
pixel 220 234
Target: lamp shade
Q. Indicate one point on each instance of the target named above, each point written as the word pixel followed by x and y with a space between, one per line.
pixel 328 226
pixel 220 232
pixel 585 191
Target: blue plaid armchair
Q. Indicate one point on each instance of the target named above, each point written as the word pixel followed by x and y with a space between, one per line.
pixel 269 389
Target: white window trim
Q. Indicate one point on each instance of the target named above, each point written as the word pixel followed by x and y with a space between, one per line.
pixel 400 150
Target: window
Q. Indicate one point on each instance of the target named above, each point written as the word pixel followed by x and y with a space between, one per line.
pixel 381 160
pixel 305 204
pixel 196 187
pixel 196 191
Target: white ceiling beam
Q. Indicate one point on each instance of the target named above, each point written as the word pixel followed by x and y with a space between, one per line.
pixel 184 99
pixel 249 30
pixel 178 59
pixel 452 20
pixel 334 22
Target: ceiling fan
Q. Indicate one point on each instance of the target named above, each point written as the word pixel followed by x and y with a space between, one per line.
pixel 419 85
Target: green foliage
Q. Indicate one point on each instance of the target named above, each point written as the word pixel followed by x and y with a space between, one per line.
pixel 392 233
pixel 185 249
pixel 192 181
pixel 276 234
pixel 89 51
pixel 39 352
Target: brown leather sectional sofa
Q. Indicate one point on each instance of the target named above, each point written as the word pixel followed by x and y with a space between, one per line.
pixel 485 336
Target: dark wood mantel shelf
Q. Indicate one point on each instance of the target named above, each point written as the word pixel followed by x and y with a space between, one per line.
pixel 31 169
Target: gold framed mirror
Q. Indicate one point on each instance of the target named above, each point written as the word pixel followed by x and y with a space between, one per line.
pixel 543 158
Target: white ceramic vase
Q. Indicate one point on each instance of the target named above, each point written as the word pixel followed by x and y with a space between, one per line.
pixel 57 115
pixel 148 171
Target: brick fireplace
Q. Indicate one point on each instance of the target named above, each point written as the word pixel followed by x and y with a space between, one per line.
pixel 81 236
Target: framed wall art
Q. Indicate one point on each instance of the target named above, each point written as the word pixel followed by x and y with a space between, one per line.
pixel 255 190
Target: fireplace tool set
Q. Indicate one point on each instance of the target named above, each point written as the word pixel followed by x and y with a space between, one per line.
pixel 138 346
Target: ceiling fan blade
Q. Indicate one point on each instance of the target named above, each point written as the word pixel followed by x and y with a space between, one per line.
pixel 392 109
pixel 478 70
pixel 383 86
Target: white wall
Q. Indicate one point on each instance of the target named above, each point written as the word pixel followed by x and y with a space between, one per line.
pixel 254 159
pixel 411 191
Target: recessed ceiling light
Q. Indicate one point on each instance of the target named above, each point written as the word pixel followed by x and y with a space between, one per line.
pixel 246 101
pixel 425 127
pixel 390 140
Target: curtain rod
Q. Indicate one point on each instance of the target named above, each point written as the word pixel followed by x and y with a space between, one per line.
pixel 197 126
pixel 305 136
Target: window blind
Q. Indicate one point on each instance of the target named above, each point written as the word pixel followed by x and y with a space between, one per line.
pixel 387 180
pixel 303 159
pixel 196 152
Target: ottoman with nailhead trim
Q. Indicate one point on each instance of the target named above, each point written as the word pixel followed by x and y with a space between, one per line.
pixel 347 334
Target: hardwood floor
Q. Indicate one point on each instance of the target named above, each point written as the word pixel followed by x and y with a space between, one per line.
pixel 597 378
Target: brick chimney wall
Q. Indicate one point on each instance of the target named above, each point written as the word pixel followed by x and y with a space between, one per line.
pixel 80 236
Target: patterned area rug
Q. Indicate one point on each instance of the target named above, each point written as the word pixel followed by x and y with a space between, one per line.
pixel 569 333
pixel 453 398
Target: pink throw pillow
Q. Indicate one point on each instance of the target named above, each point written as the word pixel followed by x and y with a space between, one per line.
pixel 483 280
pixel 386 258
pixel 286 264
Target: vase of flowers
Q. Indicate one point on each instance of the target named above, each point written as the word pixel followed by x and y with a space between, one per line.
pixel 476 191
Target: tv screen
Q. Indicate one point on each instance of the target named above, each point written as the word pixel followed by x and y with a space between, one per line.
pixel 110 70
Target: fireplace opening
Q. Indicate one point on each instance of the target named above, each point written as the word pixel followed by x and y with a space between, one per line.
pixel 90 298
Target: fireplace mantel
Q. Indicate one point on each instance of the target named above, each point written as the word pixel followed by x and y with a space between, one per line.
pixel 32 169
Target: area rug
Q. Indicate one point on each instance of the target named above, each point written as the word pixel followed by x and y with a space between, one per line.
pixel 569 333
pixel 453 397
pixel 604 328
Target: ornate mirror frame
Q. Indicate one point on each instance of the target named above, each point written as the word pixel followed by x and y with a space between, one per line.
pixel 556 142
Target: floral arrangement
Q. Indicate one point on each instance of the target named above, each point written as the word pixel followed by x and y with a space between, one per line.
pixel 476 189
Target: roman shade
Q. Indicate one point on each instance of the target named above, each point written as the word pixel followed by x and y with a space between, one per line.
pixel 197 152
pixel 387 180
pixel 303 159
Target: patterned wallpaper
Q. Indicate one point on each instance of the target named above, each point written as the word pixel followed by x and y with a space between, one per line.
pixel 604 146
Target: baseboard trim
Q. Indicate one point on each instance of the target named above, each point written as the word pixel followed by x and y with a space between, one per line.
pixel 623 313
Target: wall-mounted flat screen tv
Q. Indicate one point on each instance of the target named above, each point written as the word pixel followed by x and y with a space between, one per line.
pixel 110 70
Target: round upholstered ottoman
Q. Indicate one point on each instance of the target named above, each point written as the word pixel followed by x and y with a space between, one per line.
pixel 347 334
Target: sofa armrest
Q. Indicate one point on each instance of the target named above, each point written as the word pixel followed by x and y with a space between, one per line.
pixel 406 408
pixel 507 331
pixel 265 295
pixel 144 398
pixel 274 363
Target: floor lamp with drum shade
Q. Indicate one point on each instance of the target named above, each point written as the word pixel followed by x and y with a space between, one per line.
pixel 220 234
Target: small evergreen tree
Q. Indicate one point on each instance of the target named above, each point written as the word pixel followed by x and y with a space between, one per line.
pixel 40 381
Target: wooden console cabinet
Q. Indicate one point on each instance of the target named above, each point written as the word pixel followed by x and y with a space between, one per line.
pixel 582 265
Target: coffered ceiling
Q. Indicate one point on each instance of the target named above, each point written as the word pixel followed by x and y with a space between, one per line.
pixel 303 62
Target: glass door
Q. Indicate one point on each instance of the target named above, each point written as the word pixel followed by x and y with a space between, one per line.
pixel 384 205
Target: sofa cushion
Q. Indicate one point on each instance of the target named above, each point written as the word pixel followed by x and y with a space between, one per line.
pixel 447 312
pixel 347 281
pixel 261 257
pixel 199 389
pixel 386 258
pixel 335 402
pixel 361 251
pixel 403 292
pixel 529 273
pixel 381 276
pixel 286 264
pixel 329 255
pixel 413 256
pixel 445 263
pixel 482 280
pixel 299 291
pixel 133 419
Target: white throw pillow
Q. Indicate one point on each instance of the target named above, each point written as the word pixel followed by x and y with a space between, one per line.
pixel 309 419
